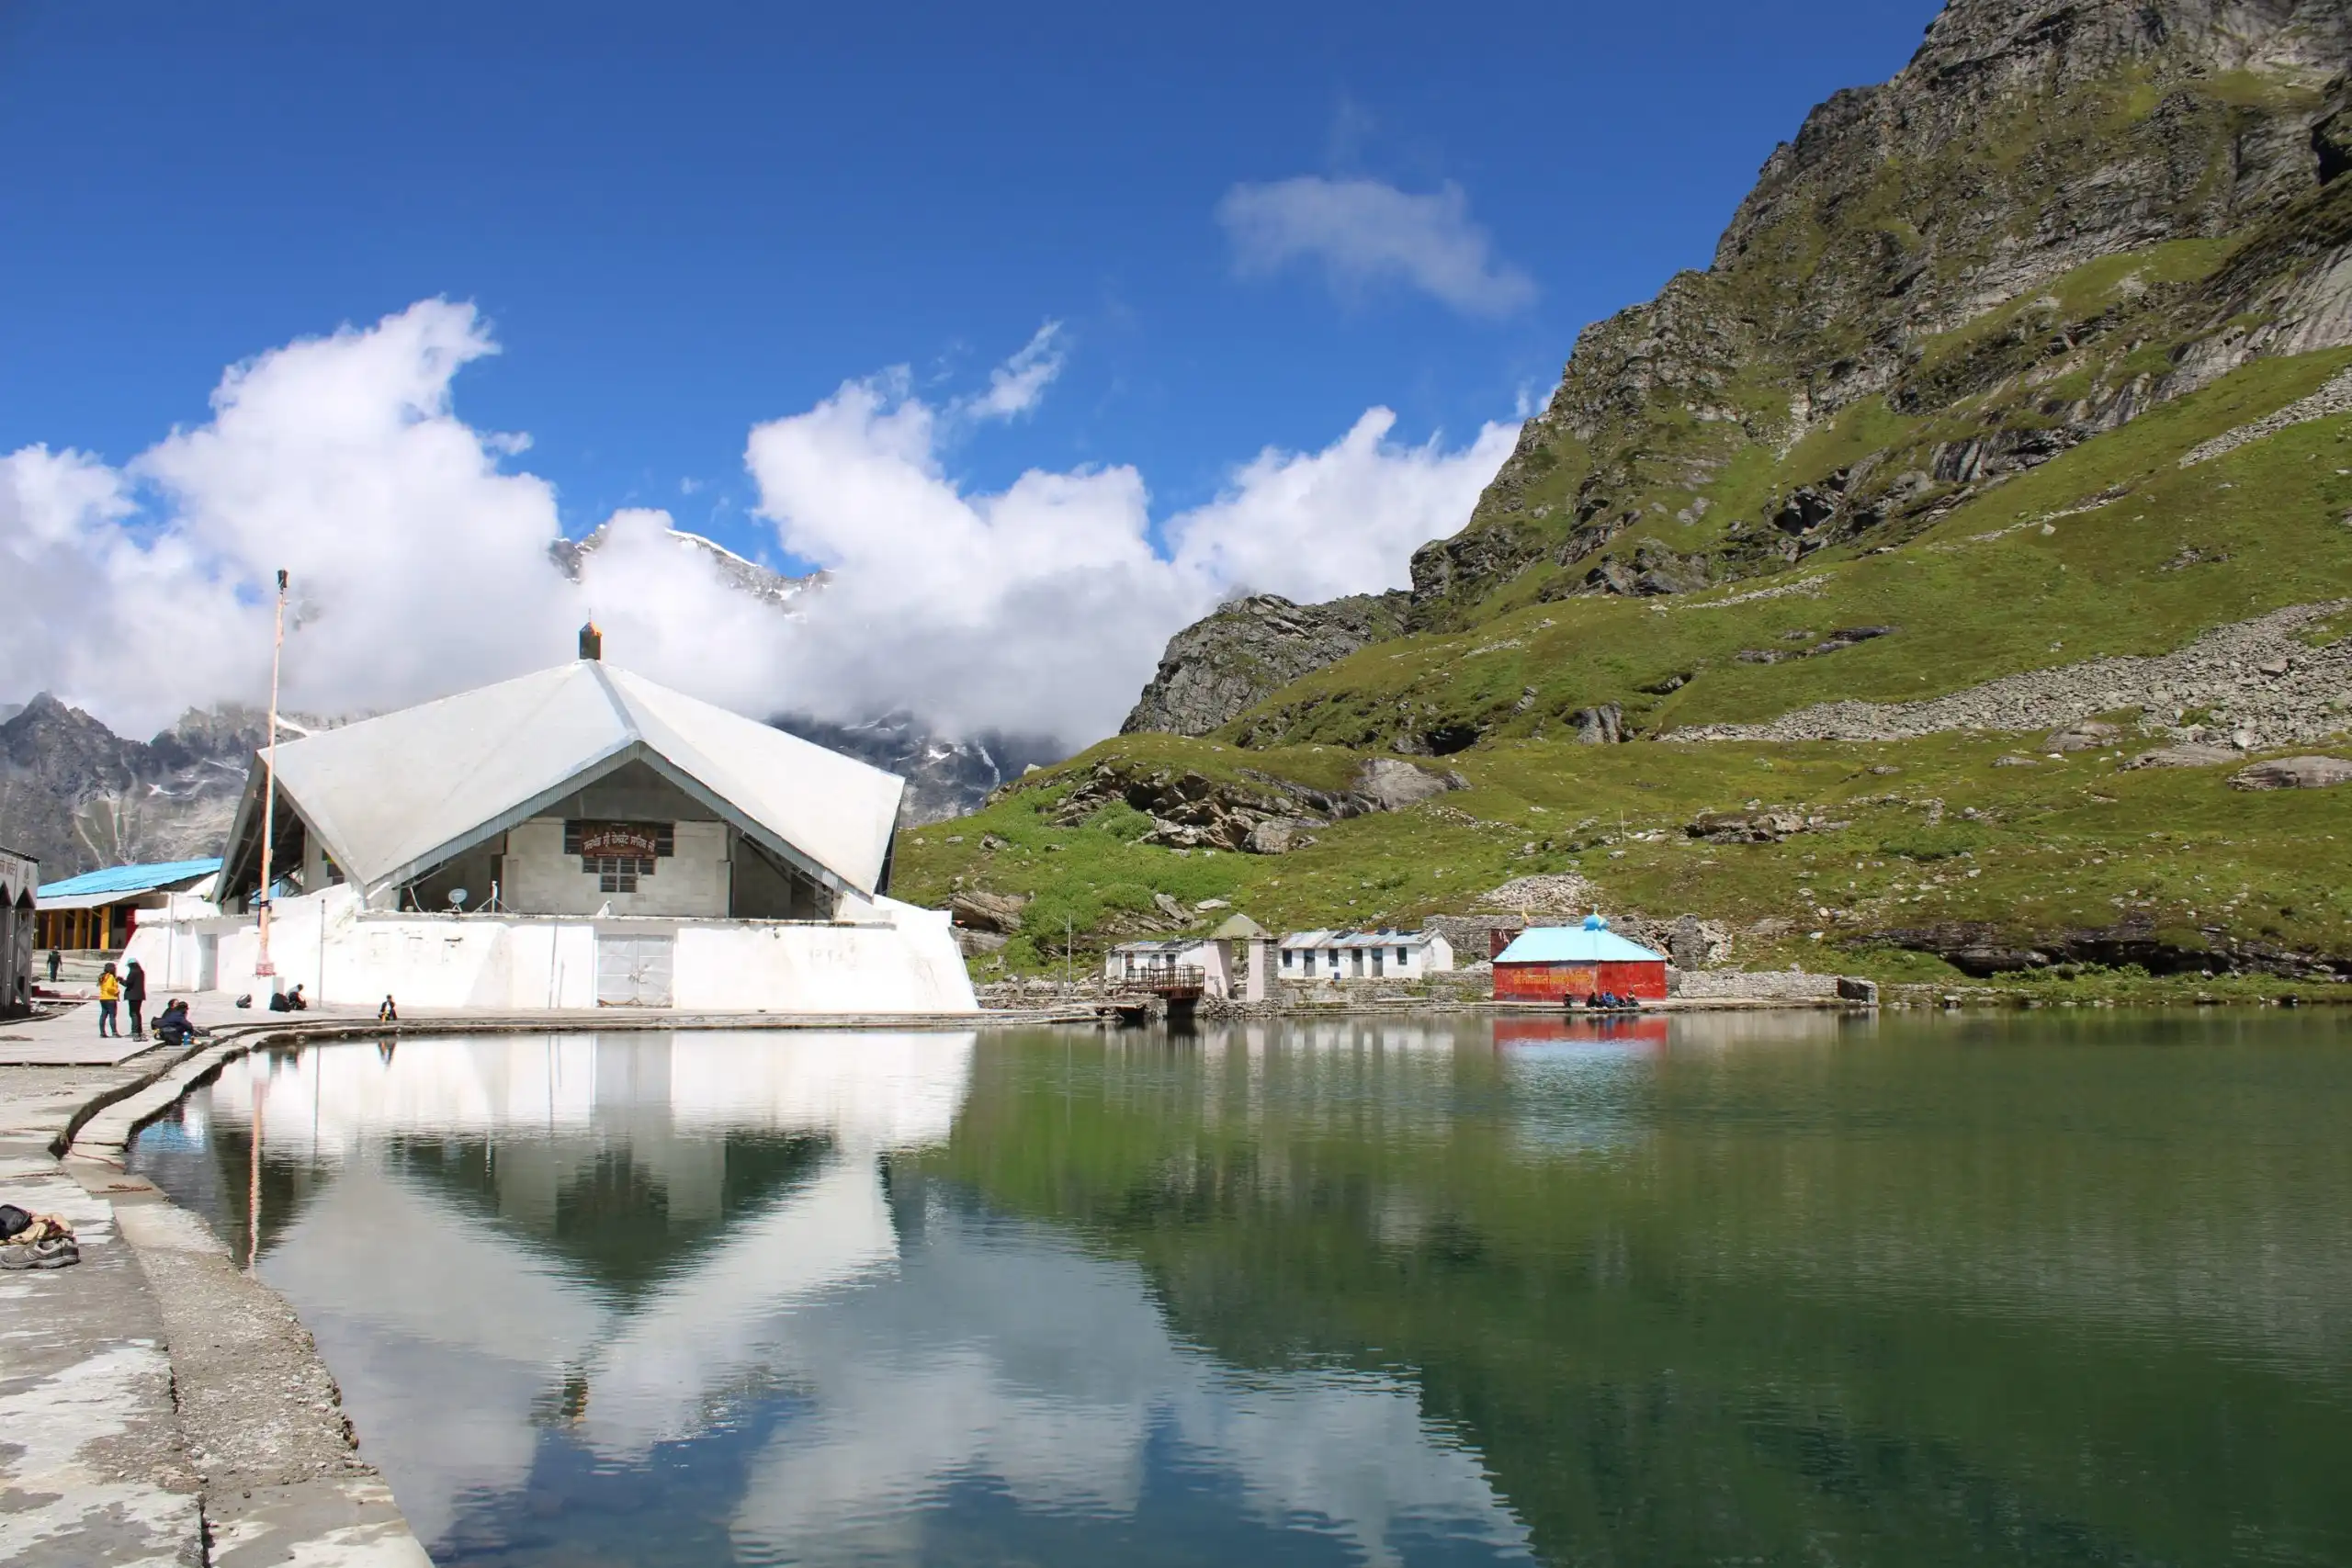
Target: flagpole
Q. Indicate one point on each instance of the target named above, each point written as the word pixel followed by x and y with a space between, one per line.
pixel 262 966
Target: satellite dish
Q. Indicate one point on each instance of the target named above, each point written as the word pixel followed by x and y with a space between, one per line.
pixel 456 898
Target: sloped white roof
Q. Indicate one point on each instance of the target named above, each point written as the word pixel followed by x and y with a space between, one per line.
pixel 392 796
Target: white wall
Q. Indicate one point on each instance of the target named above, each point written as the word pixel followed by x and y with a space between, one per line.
pixel 902 959
pixel 539 878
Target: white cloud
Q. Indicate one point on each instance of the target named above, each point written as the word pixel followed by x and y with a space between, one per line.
pixel 1315 525
pixel 1365 232
pixel 1044 608
pixel 419 555
pixel 1017 386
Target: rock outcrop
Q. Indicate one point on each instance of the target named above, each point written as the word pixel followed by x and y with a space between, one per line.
pixel 2256 684
pixel 1227 662
pixel 79 796
pixel 2025 140
pixel 1258 815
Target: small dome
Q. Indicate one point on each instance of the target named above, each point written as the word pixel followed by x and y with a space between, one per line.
pixel 1595 923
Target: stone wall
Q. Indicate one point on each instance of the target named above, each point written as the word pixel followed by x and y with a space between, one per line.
pixel 1766 986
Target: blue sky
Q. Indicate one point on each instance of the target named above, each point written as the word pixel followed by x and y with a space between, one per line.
pixel 682 219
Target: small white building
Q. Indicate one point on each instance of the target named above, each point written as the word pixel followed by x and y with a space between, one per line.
pixel 1364 955
pixel 574 838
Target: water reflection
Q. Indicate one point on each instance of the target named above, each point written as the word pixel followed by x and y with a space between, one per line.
pixel 1783 1287
pixel 537 1264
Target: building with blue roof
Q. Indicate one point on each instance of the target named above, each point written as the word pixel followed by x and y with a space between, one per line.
pixel 1563 963
pixel 100 909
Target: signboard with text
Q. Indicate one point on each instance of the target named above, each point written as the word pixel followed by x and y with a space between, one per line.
pixel 619 840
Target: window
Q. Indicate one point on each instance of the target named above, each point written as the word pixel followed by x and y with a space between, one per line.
pixel 1289 959
pixel 1404 957
pixel 615 875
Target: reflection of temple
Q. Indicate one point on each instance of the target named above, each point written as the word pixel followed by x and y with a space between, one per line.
pixel 516 1247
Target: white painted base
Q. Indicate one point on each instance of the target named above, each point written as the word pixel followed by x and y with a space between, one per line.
pixel 892 958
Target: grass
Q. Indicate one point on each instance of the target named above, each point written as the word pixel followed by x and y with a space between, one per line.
pixel 1948 836
pixel 1971 609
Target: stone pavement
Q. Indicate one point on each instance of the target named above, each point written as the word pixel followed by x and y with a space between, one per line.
pixel 157 1405
pixel 70 1038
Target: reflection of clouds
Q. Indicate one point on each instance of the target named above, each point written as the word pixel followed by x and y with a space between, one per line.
pixel 441 1330
pixel 989 1352
pixel 998 1353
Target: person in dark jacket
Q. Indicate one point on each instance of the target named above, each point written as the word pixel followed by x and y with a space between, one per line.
pixel 172 1025
pixel 56 962
pixel 134 997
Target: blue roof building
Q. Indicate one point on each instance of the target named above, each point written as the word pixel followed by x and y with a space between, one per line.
pixel 171 875
pixel 1592 942
pixel 99 908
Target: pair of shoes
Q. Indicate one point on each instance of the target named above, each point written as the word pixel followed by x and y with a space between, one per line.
pixel 55 1253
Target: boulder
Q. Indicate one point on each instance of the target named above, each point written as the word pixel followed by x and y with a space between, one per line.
pixel 1279 837
pixel 1849 636
pixel 1603 726
pixel 1746 827
pixel 1170 908
pixel 2295 773
pixel 980 944
pixel 980 911
pixel 1394 785
pixel 2090 735
pixel 2193 756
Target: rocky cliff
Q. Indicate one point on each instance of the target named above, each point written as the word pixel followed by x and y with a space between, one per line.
pixel 1229 661
pixel 79 796
pixel 2025 234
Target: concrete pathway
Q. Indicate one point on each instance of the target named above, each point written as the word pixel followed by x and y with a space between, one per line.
pixel 158 1407
pixel 92 1470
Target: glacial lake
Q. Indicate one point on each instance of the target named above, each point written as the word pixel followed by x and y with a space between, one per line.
pixel 1764 1288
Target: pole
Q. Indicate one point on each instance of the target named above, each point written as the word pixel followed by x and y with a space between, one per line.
pixel 262 964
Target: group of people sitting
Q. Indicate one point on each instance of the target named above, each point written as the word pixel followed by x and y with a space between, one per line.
pixel 172 1026
pixel 1609 1001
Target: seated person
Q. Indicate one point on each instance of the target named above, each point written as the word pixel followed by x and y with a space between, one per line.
pixel 172 1025
pixel 388 1013
pixel 296 1001
pixel 280 1003
pixel 1593 1001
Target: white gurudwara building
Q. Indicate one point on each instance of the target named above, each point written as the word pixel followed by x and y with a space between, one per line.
pixel 574 838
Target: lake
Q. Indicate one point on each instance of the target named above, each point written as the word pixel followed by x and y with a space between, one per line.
pixel 1763 1288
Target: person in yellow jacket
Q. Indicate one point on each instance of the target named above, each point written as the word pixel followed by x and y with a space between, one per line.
pixel 110 997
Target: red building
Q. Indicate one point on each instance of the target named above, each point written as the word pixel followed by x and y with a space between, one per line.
pixel 1551 965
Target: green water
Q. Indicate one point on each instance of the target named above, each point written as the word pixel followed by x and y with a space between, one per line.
pixel 1769 1289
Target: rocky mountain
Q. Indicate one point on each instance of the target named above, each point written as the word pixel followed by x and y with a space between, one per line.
pixel 2056 217
pixel 1967 526
pixel 1228 662
pixel 79 796
pixel 944 778
pixel 748 576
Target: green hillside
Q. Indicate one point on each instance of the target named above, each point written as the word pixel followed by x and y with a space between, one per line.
pixel 2020 388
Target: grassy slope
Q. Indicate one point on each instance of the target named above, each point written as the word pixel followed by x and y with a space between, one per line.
pixel 2056 846
pixel 1970 610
